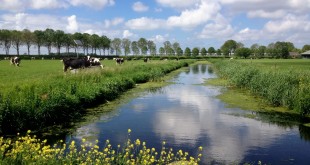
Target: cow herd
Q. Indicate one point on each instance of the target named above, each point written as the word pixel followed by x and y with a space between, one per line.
pixel 73 63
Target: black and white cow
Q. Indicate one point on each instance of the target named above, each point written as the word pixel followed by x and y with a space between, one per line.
pixel 146 59
pixel 94 61
pixel 75 63
pixel 15 61
pixel 119 60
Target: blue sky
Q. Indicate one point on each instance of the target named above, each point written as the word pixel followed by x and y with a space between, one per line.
pixel 192 23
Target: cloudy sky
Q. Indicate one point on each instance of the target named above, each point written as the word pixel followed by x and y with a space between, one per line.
pixel 192 23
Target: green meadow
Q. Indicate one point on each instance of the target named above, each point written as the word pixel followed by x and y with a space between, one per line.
pixel 39 94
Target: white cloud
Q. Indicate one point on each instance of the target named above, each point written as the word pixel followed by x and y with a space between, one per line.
pixel 159 39
pixel 127 34
pixel 145 23
pixel 177 3
pixel 139 7
pixel 47 4
pixel 265 14
pixel 20 21
pixel 204 12
pixel 72 24
pixel 114 22
pixel 289 24
pixel 98 4
pixel 12 5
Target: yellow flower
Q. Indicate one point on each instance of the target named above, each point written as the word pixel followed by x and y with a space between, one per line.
pixel 200 148
pixel 129 130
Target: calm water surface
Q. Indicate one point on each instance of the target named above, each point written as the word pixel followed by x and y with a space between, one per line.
pixel 187 115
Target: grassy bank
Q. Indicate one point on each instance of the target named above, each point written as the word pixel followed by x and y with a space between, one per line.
pixel 280 83
pixel 39 94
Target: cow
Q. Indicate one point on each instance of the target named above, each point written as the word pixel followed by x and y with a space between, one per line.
pixel 15 61
pixel 119 60
pixel 94 61
pixel 75 63
pixel 146 59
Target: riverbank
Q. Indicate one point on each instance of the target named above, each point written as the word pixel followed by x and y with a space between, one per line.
pixel 263 90
pixel 58 98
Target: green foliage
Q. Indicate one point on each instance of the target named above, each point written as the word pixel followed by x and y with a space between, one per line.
pixel 279 87
pixel 243 52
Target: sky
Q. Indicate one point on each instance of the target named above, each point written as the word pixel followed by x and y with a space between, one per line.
pixel 191 23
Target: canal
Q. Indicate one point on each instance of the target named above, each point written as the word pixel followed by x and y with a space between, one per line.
pixel 186 114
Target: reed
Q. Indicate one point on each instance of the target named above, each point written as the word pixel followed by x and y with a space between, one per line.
pixel 279 86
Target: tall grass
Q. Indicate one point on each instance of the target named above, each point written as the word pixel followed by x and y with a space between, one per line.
pixel 278 86
pixel 51 97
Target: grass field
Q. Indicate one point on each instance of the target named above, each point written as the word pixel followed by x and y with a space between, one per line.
pixel 39 93
pixel 298 65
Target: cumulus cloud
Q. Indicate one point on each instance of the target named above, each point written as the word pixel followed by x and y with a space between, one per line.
pixel 98 4
pixel 177 3
pixel 72 24
pixel 127 34
pixel 145 23
pixel 290 23
pixel 20 21
pixel 191 18
pixel 139 7
pixel 47 4
pixel 114 22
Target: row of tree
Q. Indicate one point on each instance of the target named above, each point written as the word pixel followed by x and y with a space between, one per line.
pixel 58 39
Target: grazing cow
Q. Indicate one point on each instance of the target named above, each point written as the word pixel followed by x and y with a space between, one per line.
pixel 15 61
pixel 75 63
pixel 94 61
pixel 146 59
pixel 119 60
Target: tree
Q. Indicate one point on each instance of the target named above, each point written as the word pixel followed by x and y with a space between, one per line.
pixel 126 45
pixel 243 52
pixel 305 48
pixel 6 39
pixel 230 46
pixel 162 51
pixel 218 52
pixel 187 51
pixel 94 43
pixel 167 47
pixel 142 44
pixel 68 42
pixel 135 48
pixel 179 52
pixel 195 51
pixel 17 40
pixel 175 46
pixel 86 42
pixel 28 38
pixel 48 39
pixel 151 47
pixel 261 51
pixel 39 39
pixel 254 49
pixel 203 51
pixel 105 43
pixel 59 40
pixel 116 45
pixel 211 51
pixel 282 49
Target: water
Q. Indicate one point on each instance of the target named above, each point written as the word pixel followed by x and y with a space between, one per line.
pixel 187 115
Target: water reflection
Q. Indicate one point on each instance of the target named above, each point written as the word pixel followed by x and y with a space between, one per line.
pixel 187 115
